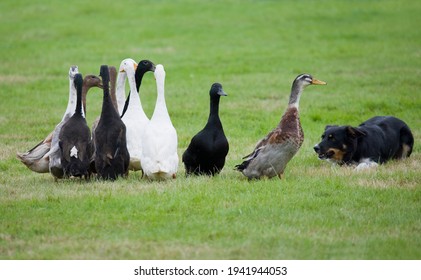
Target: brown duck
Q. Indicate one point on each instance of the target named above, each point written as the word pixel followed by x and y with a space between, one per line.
pixel 273 152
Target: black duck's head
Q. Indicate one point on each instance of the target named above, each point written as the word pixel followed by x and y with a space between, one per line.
pixel 105 75
pixel 78 82
pixel 216 90
pixel 145 66
pixel 142 67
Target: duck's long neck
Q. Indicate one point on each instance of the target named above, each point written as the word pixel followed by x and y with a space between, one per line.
pixel 113 78
pixel 291 118
pixel 108 109
pixel 79 101
pixel 121 91
pixel 71 104
pixel 294 98
pixel 85 90
pixel 135 101
pixel 139 79
pixel 133 90
pixel 160 106
pixel 214 111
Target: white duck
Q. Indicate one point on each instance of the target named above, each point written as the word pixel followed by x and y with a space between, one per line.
pixel 134 117
pixel 159 151
pixel 121 87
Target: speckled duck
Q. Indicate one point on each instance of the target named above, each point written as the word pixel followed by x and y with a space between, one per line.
pixel 272 154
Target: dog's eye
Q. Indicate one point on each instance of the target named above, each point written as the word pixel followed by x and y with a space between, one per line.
pixel 330 137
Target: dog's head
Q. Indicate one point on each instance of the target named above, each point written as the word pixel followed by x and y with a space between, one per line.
pixel 338 143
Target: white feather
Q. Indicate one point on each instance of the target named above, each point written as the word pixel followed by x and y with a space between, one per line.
pixel 73 152
pixel 159 153
pixel 134 118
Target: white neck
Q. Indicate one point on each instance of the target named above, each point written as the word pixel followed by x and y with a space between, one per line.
pixel 160 106
pixel 82 112
pixel 133 91
pixel 135 105
pixel 295 104
pixel 121 91
pixel 71 104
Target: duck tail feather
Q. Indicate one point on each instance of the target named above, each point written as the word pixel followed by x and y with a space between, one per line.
pixel 248 159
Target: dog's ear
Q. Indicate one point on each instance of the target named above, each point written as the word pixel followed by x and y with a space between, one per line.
pixel 354 132
pixel 329 126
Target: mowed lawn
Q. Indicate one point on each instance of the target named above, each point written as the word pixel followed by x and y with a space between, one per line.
pixel 367 51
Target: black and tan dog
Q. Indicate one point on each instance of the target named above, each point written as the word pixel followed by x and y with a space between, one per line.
pixel 373 142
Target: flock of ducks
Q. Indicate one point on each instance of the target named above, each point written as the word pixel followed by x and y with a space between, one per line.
pixel 123 138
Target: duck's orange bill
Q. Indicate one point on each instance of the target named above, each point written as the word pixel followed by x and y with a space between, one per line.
pixel 318 82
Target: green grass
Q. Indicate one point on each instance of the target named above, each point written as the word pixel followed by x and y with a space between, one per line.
pixel 367 51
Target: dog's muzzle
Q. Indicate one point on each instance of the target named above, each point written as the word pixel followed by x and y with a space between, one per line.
pixel 323 155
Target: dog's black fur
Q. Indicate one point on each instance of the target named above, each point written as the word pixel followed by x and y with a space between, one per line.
pixel 378 140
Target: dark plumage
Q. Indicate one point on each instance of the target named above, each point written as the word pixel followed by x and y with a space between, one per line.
pixel 208 148
pixel 111 155
pixel 54 154
pixel 113 78
pixel 75 140
pixel 142 67
pixel 272 153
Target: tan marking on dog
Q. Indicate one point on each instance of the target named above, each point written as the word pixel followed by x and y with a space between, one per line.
pixel 338 155
pixel 405 150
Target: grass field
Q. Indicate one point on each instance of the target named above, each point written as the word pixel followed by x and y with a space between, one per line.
pixel 367 51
